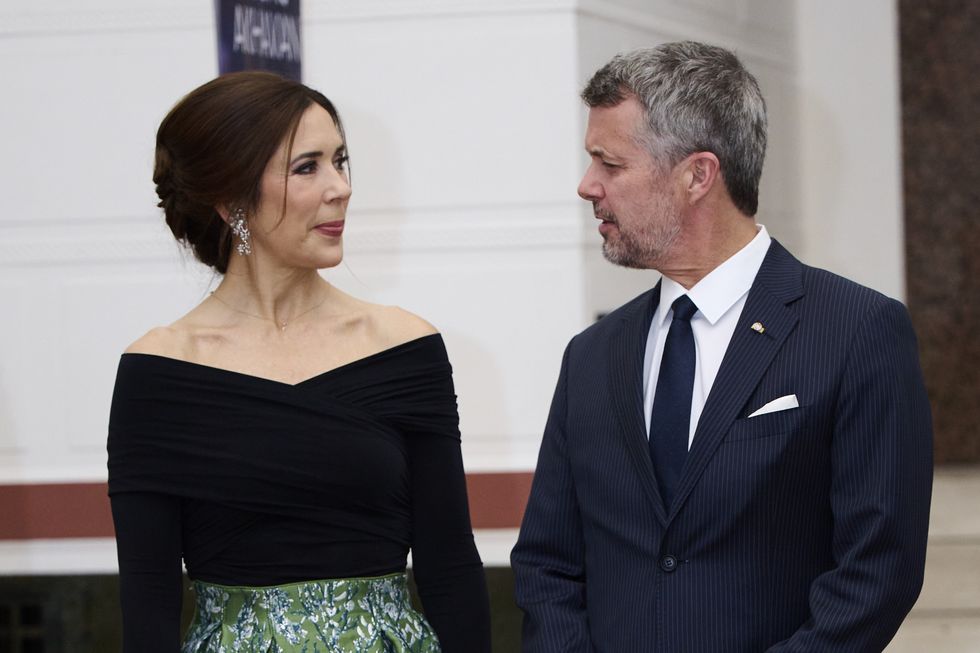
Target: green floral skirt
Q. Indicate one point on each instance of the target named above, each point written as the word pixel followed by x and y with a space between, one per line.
pixel 349 615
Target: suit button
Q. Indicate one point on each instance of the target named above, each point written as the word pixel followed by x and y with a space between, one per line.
pixel 668 563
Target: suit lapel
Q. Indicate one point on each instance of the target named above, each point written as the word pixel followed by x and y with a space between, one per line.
pixel 627 347
pixel 749 354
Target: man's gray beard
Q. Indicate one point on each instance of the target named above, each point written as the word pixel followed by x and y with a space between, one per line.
pixel 630 252
pixel 622 256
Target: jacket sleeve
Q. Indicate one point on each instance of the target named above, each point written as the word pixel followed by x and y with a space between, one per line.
pixel 880 493
pixel 549 558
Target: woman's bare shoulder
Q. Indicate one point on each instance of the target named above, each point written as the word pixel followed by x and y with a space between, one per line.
pixel 388 326
pixel 393 325
pixel 406 325
pixel 175 340
pixel 169 341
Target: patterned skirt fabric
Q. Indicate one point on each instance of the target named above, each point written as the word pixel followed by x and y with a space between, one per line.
pixel 350 615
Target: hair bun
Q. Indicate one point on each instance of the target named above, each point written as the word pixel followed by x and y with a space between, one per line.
pixel 191 222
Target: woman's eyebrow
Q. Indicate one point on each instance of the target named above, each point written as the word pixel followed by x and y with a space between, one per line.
pixel 306 155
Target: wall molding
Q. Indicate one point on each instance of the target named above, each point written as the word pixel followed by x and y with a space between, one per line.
pixel 83 555
pixel 36 511
pixel 97 555
pixel 955 489
pixel 371 231
pixel 67 528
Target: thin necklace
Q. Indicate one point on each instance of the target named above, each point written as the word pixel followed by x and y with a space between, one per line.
pixel 280 325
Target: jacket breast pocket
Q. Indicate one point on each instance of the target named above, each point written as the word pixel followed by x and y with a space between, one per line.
pixel 783 422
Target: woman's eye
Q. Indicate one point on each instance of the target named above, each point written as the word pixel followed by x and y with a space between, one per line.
pixel 340 163
pixel 307 168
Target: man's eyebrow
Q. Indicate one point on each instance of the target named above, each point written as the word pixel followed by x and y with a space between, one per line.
pixel 306 155
pixel 600 152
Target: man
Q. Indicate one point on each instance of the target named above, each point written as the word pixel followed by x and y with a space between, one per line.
pixel 738 460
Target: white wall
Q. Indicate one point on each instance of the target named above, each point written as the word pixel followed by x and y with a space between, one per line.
pixel 464 207
pixel 84 262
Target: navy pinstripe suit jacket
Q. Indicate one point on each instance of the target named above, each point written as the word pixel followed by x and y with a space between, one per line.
pixel 798 530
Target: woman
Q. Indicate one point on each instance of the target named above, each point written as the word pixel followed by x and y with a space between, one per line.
pixel 290 442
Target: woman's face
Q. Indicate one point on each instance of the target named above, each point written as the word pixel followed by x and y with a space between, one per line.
pixel 309 234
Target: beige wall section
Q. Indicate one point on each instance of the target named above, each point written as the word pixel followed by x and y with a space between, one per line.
pixel 849 140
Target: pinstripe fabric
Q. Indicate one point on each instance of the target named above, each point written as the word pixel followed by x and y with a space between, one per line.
pixel 799 530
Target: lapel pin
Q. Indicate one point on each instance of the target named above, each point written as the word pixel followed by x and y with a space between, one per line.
pixel 758 328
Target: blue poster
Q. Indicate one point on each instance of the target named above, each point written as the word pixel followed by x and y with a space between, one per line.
pixel 259 35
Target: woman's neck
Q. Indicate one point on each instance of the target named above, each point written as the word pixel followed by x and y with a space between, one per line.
pixel 275 295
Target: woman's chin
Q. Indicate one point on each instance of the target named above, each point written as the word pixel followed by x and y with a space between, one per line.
pixel 331 259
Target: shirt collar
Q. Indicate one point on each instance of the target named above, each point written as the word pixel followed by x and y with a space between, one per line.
pixel 717 292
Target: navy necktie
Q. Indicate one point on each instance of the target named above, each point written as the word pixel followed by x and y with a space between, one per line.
pixel 670 418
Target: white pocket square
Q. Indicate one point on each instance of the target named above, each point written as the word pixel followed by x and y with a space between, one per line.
pixel 783 403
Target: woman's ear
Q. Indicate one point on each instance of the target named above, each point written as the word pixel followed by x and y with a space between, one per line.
pixel 224 212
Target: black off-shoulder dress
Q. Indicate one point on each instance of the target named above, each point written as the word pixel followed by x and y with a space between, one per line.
pixel 254 482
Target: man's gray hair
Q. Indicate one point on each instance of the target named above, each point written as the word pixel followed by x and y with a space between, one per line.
pixel 696 98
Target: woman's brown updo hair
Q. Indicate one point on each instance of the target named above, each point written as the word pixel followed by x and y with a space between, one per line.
pixel 213 147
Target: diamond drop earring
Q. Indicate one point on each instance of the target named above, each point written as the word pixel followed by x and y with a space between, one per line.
pixel 239 227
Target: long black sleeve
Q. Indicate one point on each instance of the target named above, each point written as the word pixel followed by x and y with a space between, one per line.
pixel 447 567
pixel 149 550
pixel 446 564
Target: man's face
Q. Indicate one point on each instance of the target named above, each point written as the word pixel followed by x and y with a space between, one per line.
pixel 630 193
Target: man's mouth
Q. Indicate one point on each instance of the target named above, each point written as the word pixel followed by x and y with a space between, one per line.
pixel 605 216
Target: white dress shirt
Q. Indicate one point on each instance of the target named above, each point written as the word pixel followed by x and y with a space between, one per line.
pixel 720 297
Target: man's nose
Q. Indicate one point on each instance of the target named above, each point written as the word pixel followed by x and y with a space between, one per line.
pixel 589 189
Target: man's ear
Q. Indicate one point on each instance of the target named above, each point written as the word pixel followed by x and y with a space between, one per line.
pixel 702 172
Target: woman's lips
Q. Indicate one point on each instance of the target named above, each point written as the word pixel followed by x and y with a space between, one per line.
pixel 332 229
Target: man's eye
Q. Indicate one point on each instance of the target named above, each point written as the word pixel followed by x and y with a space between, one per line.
pixel 606 164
